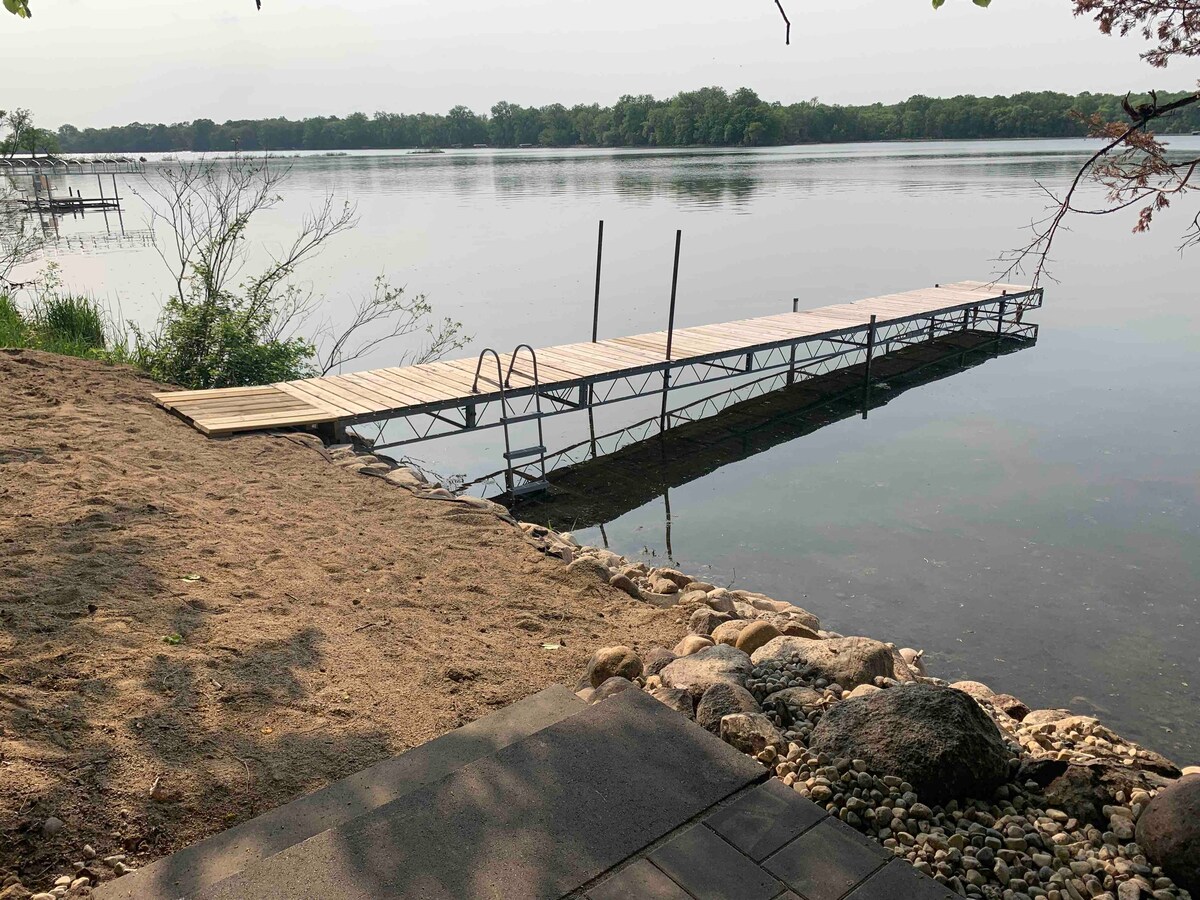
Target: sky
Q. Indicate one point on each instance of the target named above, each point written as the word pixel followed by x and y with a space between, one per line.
pixel 94 63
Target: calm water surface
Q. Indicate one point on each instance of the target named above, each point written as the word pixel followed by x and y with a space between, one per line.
pixel 1033 522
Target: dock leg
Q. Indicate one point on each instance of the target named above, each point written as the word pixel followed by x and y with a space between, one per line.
pixel 1000 318
pixel 867 367
pixel 469 415
pixel 662 418
pixel 332 432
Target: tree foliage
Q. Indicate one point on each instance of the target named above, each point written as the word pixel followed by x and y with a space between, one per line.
pixel 18 134
pixel 232 322
pixel 1136 168
pixel 709 117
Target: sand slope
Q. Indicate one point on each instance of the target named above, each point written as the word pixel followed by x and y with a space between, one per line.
pixel 335 619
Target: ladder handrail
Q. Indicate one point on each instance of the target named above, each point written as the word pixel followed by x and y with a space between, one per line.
pixel 512 361
pixel 479 367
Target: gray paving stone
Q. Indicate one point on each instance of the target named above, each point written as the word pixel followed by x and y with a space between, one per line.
pixel 231 851
pixel 641 880
pixel 534 820
pixel 765 819
pixel 900 881
pixel 826 861
pixel 710 869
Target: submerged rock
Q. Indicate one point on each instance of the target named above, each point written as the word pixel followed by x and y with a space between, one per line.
pixel 937 739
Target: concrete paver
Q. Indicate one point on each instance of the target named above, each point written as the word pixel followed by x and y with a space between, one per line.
pixel 765 819
pixel 709 868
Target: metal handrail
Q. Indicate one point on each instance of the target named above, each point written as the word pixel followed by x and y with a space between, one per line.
pixel 512 361
pixel 479 367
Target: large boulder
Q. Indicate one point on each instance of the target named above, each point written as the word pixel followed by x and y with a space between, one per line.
pixel 727 632
pixel 692 643
pixel 589 568
pixel 678 700
pixel 701 670
pixel 755 635
pixel 609 662
pixel 849 661
pixel 610 687
pixel 937 739
pixel 705 620
pixel 723 699
pixel 1045 716
pixel 1169 832
pixel 1083 789
pixel 656 659
pixel 789 626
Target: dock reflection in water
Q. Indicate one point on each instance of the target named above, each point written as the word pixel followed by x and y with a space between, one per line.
pixel 600 490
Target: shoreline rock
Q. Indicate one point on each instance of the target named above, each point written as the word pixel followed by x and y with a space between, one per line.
pixel 1011 843
pixel 1008 803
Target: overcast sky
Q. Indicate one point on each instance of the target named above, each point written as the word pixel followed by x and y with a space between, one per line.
pixel 101 63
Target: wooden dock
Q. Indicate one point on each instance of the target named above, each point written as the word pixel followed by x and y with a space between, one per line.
pixel 465 384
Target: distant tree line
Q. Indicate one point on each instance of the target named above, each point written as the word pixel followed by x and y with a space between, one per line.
pixel 711 117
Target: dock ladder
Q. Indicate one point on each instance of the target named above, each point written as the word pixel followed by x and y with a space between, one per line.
pixel 518 480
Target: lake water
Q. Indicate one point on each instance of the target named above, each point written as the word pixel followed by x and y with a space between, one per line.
pixel 1032 522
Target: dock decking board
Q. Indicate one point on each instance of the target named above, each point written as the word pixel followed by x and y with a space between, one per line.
pixel 380 393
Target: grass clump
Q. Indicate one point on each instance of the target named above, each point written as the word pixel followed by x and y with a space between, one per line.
pixel 14 332
pixel 58 322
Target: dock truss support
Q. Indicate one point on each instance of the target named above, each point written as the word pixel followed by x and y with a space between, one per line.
pixel 794 360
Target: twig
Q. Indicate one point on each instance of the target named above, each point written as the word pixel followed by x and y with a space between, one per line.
pixel 787 38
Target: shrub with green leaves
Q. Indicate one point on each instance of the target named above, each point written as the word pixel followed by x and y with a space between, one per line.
pixel 14 332
pixel 220 342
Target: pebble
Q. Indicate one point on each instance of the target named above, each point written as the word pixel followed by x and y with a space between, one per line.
pixel 1010 846
pixel 52 826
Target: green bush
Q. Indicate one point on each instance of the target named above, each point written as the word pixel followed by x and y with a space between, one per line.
pixel 222 341
pixel 14 332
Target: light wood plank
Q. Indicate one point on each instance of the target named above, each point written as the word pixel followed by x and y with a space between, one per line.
pixel 448 382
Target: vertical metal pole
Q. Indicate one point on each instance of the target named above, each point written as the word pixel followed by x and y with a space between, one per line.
pixel 592 426
pixel 662 419
pixel 50 204
pixel 103 207
pixel 674 285
pixel 791 378
pixel 117 201
pixel 596 302
pixel 867 370
pixel 1000 318
pixel 667 505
